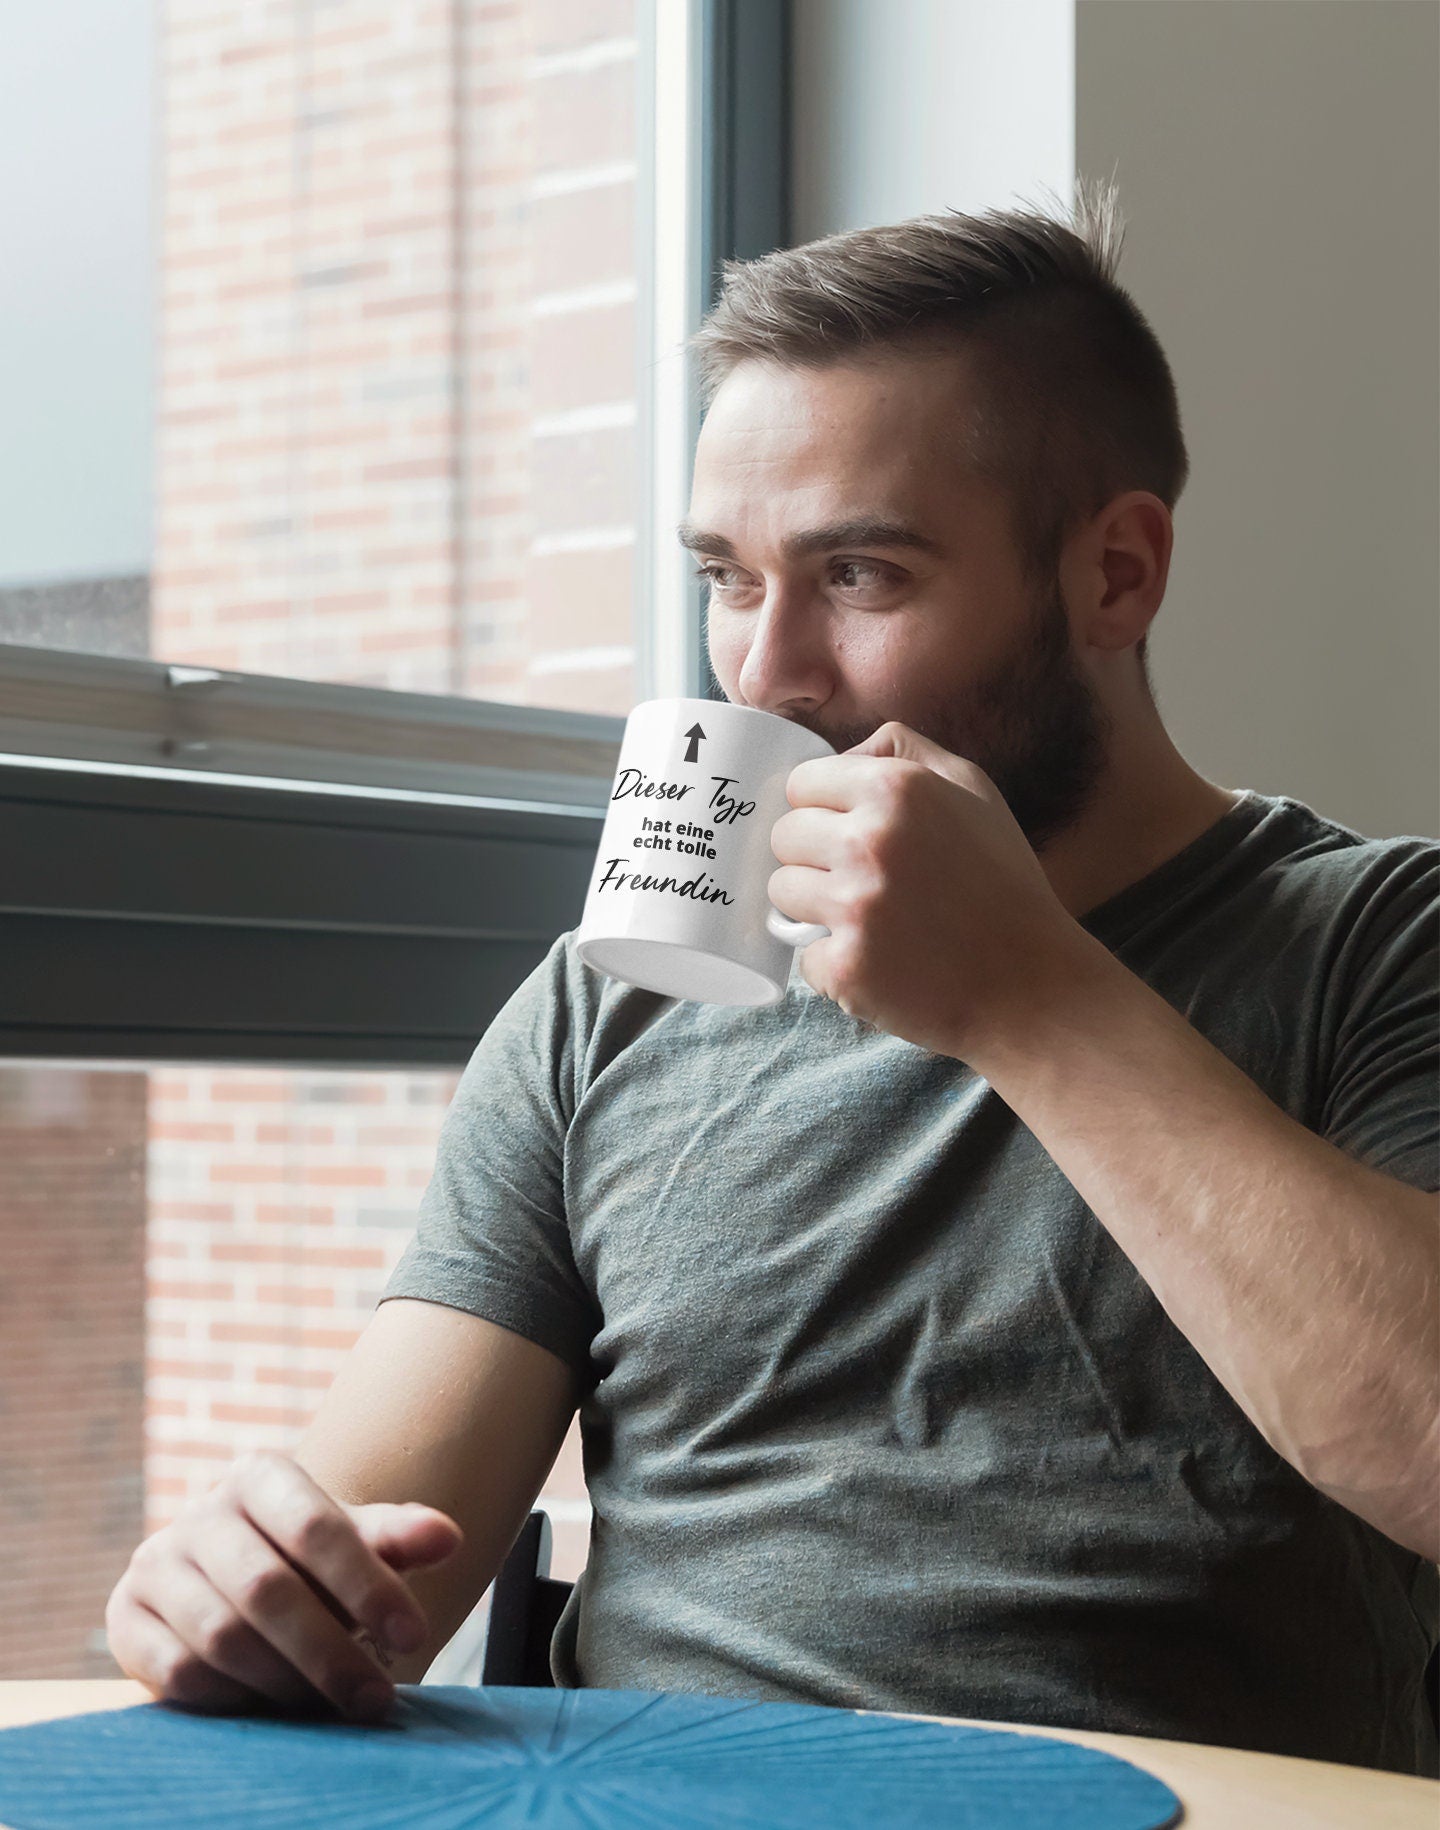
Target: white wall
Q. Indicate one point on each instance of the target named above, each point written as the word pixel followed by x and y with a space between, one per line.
pixel 909 106
pixel 1280 168
pixel 1278 165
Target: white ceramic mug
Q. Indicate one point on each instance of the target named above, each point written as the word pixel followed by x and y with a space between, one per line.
pixel 678 900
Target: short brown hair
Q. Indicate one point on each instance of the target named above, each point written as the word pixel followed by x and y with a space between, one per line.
pixel 1076 402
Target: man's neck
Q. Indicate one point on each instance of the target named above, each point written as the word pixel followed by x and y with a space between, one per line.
pixel 1148 805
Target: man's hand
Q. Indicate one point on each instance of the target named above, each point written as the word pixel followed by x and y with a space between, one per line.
pixel 252 1596
pixel 942 922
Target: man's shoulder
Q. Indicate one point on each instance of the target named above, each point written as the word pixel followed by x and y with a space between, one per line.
pixel 1291 839
pixel 1344 890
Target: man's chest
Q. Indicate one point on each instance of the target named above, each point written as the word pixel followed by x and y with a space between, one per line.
pixel 865 1230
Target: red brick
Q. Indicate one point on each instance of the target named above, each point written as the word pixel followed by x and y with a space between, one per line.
pixel 290 1296
pixel 196 1451
pixel 301 1378
pixel 250 614
pixel 282 1415
pixel 262 1334
pixel 249 1090
pixel 221 1371
pixel 343 1175
pixel 294 1213
pixel 259 1173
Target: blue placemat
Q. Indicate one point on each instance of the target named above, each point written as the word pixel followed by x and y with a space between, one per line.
pixel 452 1756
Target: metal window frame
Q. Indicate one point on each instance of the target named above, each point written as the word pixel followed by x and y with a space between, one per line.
pixel 720 188
pixel 208 866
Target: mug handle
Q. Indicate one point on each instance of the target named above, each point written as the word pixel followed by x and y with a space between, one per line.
pixel 793 933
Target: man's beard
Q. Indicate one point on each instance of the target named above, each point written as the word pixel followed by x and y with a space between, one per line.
pixel 1033 724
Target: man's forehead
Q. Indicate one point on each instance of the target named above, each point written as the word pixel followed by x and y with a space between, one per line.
pixel 859 381
pixel 892 401
pixel 885 440
pixel 825 503
pixel 870 526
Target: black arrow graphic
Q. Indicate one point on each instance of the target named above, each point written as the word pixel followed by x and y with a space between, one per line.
pixel 694 734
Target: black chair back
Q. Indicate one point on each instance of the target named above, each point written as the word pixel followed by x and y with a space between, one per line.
pixel 525 1604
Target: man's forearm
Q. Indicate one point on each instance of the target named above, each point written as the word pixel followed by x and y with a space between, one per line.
pixel 1306 1281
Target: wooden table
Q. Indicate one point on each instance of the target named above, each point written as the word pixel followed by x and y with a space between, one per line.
pixel 1221 1788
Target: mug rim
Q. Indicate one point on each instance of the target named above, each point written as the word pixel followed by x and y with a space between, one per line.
pixel 729 705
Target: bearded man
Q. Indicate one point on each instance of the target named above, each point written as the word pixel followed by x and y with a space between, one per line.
pixel 1031 1316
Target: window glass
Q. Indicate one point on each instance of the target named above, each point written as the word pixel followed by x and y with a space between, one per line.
pixel 318 341
pixel 190 1254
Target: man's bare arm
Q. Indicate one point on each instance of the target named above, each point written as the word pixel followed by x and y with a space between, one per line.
pixel 1308 1282
pixel 299 1579
pixel 436 1405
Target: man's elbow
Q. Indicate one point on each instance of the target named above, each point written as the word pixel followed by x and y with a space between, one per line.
pixel 1405 1505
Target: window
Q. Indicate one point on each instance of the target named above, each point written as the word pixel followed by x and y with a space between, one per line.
pixel 192 1253
pixel 347 428
pixel 379 265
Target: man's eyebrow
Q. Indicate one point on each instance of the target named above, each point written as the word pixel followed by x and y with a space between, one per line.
pixel 866 530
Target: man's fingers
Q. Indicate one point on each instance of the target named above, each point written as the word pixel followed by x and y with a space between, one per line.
pixel 321 1538
pixel 258 1586
pixel 207 1622
pixel 266 1589
pixel 150 1650
pixel 409 1536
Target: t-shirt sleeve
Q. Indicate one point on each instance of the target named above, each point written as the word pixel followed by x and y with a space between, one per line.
pixel 1383 1100
pixel 491 1235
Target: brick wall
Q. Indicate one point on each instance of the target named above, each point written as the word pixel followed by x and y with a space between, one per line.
pixel 279 1203
pixel 396 426
pixel 72 1352
pixel 396 446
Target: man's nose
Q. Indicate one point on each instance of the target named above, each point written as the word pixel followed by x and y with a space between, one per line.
pixel 785 663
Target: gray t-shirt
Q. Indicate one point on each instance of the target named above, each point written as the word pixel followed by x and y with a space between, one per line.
pixel 876 1411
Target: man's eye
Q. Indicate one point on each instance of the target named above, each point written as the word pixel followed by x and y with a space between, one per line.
pixel 873 574
pixel 858 565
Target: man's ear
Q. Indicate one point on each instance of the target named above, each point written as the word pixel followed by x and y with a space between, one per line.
pixel 1114 570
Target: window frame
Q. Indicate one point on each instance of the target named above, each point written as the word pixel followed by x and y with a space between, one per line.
pixel 213 866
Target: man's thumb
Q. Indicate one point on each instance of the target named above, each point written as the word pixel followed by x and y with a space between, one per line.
pixel 407 1536
pixel 896 739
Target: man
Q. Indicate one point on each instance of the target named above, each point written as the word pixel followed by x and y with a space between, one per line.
pixel 1032 1316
